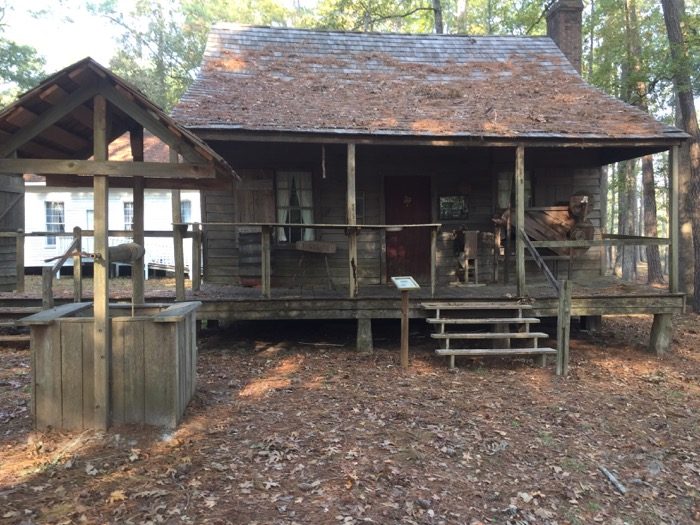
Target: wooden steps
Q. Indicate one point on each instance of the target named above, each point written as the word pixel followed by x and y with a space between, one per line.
pixel 484 352
pixel 485 320
pixel 490 335
pixel 507 322
pixel 10 333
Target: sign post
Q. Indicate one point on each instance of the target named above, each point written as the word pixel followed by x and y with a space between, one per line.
pixel 404 284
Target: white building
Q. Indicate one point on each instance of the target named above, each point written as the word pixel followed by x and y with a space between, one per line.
pixel 61 209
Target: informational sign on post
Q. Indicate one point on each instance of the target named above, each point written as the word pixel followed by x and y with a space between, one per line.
pixel 405 283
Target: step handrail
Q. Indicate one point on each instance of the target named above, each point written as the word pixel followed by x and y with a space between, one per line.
pixel 47 273
pixel 540 262
pixel 563 289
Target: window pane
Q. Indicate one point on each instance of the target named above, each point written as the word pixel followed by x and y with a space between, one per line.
pixel 55 220
pixel 186 210
pixel 128 215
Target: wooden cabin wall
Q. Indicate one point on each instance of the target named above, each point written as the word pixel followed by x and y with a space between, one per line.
pixel 232 255
pixel 554 186
pixel 11 219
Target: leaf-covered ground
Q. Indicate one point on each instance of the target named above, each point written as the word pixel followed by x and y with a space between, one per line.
pixel 291 425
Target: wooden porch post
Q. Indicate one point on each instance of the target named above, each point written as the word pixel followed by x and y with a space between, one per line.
pixel 196 270
pixel 177 237
pixel 102 327
pixel 137 270
pixel 19 262
pixel 520 218
pixel 673 227
pixel 78 266
pixel 265 261
pixel 352 221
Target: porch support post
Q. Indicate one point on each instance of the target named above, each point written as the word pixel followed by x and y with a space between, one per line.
pixel 352 221
pixel 433 260
pixel 673 228
pixel 177 237
pixel 265 260
pixel 520 218
pixel 661 334
pixel 137 273
pixel 102 329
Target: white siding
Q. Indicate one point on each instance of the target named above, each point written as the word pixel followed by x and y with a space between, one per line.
pixel 77 202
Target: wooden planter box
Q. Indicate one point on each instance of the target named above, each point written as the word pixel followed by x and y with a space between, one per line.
pixel 152 367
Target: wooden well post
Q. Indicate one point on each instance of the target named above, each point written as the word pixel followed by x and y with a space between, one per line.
pixel 137 268
pixel 102 326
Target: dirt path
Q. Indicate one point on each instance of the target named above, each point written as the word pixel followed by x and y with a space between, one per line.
pixel 287 428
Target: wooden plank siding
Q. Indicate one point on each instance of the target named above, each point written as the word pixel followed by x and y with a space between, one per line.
pixel 233 256
pixel 11 219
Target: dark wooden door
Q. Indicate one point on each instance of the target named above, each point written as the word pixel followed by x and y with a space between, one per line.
pixel 408 202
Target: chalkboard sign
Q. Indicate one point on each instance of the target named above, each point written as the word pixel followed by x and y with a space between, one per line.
pixel 453 207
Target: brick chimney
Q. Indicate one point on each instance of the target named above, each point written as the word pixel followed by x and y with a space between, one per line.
pixel 564 27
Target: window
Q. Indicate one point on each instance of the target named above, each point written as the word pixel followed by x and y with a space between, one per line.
pixel 294 205
pixel 128 215
pixel 186 210
pixel 55 220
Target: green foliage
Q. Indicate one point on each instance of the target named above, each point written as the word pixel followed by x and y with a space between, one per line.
pixel 21 67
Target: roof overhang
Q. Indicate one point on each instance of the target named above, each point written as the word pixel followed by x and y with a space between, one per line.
pixel 609 150
pixel 50 131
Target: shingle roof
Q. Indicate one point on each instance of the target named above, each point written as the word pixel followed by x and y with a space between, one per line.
pixel 290 80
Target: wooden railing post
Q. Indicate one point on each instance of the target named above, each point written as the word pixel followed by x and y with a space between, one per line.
pixel 196 270
pixel 265 235
pixel 77 265
pixel 563 328
pixel 47 287
pixel 20 260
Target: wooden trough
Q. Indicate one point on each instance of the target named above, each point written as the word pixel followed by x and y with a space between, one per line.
pixel 152 367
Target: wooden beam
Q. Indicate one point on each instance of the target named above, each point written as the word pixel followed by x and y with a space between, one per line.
pixel 177 237
pixel 137 274
pixel 351 215
pixel 48 118
pixel 563 328
pixel 102 327
pixel 674 221
pixel 19 261
pixel 152 170
pixel 196 267
pixel 78 265
pixel 22 117
pixel 149 121
pixel 520 218
pixel 55 93
pixel 433 260
pixel 342 137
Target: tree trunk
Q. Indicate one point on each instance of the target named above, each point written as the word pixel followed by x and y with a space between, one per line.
pixel 437 10
pixel 654 271
pixel 637 93
pixel 674 11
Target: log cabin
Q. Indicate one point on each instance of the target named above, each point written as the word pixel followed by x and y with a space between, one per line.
pixel 364 156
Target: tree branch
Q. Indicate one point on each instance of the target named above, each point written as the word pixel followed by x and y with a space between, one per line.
pixel 372 21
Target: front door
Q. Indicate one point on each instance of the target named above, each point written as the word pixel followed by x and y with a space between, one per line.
pixel 407 200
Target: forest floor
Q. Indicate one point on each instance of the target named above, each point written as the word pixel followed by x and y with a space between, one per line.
pixel 290 424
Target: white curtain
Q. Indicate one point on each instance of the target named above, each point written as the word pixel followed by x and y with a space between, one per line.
pixel 283 185
pixel 303 185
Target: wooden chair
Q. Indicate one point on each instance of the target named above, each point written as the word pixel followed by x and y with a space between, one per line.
pixel 469 259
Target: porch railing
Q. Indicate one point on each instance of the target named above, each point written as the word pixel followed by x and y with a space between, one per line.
pixel 351 232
